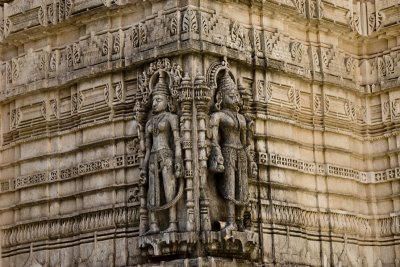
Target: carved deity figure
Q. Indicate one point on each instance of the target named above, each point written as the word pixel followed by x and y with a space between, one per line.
pixel 162 164
pixel 230 151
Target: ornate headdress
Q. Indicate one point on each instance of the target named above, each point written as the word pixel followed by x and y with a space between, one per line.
pixel 226 82
pixel 161 87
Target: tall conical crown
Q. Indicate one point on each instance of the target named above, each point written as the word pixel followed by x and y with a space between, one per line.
pixel 226 82
pixel 161 87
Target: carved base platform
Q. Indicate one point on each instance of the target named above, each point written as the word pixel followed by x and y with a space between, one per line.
pixel 232 244
pixel 205 262
pixel 167 244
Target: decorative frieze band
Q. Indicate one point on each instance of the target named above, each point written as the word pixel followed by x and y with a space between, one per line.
pixel 45 15
pixel 318 220
pixel 121 161
pixel 390 226
pixel 291 163
pixel 281 51
pixel 69 226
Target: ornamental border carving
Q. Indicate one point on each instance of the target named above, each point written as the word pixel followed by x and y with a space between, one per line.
pixel 67 226
pixel 56 175
pixel 276 160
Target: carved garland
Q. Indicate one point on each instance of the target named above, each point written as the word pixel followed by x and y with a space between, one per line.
pixel 40 230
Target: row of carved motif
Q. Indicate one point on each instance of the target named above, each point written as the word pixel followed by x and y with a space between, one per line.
pixel 286 162
pixel 121 161
pixel 21 17
pixel 123 43
pixel 63 9
pixel 69 226
pixel 103 46
pixel 390 226
pixel 275 213
pixel 77 102
pixel 354 113
pixel 324 220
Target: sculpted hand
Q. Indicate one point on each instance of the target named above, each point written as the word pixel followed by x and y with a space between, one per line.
pixel 254 169
pixel 178 170
pixel 142 177
pixel 178 167
pixel 216 160
pixel 220 164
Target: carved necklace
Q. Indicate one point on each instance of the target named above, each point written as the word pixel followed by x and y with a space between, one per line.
pixel 156 121
pixel 233 117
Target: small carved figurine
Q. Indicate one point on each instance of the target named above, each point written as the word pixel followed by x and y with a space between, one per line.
pixel 162 164
pixel 230 151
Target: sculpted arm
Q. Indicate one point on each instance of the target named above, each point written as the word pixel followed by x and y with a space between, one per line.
pixel 174 121
pixel 145 163
pixel 214 124
pixel 250 147
pixel 216 160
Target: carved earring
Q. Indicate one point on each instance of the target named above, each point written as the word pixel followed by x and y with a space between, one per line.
pixel 171 107
pixel 219 101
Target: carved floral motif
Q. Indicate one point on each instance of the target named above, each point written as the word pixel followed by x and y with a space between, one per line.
pixel 189 22
pixel 296 51
pixel 294 98
pixel 350 110
pixel 237 35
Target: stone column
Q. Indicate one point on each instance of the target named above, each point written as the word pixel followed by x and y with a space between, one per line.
pixel 141 116
pixel 186 101
pixel 202 96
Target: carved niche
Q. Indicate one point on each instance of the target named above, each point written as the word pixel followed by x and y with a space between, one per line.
pixel 162 170
pixel 170 109
pixel 230 166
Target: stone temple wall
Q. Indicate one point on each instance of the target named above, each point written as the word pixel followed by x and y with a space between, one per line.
pixel 320 79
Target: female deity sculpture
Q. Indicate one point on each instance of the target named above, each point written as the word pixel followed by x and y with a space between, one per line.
pixel 230 151
pixel 162 164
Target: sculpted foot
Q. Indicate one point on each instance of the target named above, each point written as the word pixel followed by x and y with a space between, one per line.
pixel 172 228
pixel 153 229
pixel 230 227
pixel 240 225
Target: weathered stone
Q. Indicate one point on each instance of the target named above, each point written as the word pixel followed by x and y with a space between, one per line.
pixel 199 133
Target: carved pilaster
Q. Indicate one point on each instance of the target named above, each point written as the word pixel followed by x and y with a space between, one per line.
pixel 185 99
pixel 202 95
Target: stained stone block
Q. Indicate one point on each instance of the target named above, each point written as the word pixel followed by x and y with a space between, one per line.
pixel 199 133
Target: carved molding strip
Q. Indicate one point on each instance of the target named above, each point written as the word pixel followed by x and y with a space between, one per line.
pixel 121 161
pixel 68 226
pixel 331 220
pixel 390 226
pixel 326 221
pixel 285 162
pixel 125 43
pixel 334 126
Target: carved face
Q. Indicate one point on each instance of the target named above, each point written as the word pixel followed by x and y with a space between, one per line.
pixel 231 99
pixel 160 103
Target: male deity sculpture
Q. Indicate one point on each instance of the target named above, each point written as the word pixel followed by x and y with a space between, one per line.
pixel 230 151
pixel 162 165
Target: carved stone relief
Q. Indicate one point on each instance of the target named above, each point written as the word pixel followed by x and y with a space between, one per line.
pixel 183 186
pixel 296 51
pixel 365 24
pixel 294 98
pixel 189 22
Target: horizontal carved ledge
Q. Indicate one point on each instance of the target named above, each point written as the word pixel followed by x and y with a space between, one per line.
pixel 234 244
pixel 325 220
pixel 68 226
pixel 58 175
pixel 281 161
pixel 166 244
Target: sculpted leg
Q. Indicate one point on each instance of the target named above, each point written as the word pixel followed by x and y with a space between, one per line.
pixel 239 217
pixel 229 185
pixel 152 201
pixel 170 193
